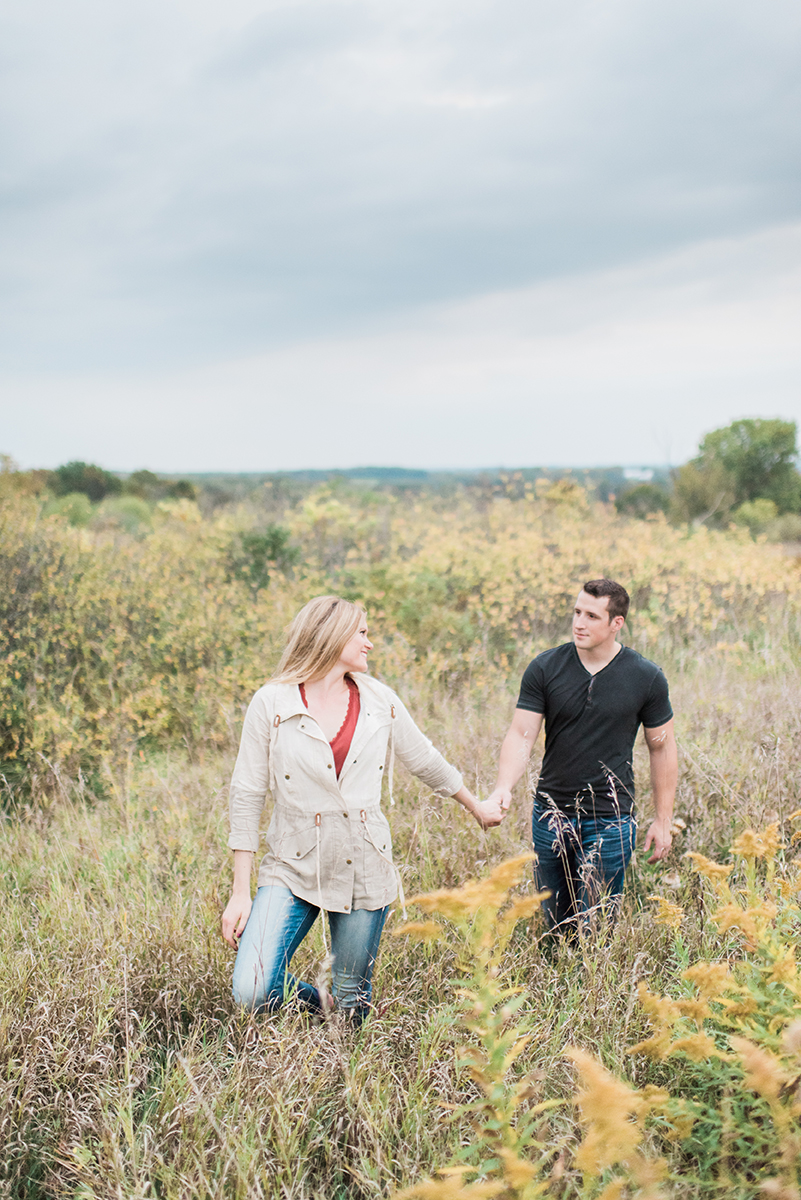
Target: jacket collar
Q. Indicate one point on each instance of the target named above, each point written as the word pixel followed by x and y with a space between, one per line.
pixel 288 702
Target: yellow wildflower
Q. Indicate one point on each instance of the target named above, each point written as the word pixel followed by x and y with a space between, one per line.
pixel 751 921
pixel 785 969
pixel 696 1009
pixel 711 979
pixel 792 1039
pixel 794 815
pixel 758 845
pixel 517 1171
pixel 706 867
pixel 771 840
pixel 763 1071
pixel 665 1010
pixel 525 906
pixel 459 903
pixel 451 1189
pixel 698 1047
pixel 607 1108
pixel 655 1097
pixel 419 931
pixel 740 1008
pixel 615 1190
pixel 657 1046
pixel 667 913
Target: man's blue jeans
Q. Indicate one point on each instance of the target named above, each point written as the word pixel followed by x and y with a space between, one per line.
pixel 581 861
pixel 278 923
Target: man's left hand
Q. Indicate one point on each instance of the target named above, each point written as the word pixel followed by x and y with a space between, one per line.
pixel 660 837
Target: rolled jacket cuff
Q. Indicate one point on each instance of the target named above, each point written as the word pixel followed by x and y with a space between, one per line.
pixel 243 841
pixel 450 785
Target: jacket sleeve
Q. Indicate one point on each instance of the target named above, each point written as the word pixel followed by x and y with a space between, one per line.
pixel 417 754
pixel 251 777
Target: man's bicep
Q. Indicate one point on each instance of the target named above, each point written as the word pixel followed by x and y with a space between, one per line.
pixel 526 724
pixel 658 736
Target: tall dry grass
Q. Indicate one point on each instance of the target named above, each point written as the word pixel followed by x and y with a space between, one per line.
pixel 125 1069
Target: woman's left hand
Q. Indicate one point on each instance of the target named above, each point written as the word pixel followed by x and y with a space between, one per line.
pixel 488 813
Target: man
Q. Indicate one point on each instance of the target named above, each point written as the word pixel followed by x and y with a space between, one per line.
pixel 593 694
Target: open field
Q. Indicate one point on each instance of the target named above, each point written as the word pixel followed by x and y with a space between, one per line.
pixel 126 1071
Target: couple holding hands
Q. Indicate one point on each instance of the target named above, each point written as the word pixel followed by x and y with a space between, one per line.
pixel 318 736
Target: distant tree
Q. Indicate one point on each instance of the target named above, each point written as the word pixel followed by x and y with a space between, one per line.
pixel 642 500
pixel 151 487
pixel 760 456
pixel 144 484
pixel 253 556
pixel 182 489
pixel 702 493
pixel 92 480
pixel 751 459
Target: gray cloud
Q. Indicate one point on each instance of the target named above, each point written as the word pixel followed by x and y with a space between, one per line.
pixel 181 186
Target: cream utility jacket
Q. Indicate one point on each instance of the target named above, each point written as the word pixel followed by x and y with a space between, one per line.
pixel 329 842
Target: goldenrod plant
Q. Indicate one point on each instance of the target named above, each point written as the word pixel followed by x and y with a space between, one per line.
pixel 506 1158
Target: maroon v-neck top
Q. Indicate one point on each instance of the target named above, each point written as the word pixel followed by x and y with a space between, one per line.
pixel 340 743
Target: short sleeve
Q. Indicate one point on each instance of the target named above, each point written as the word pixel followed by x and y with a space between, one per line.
pixel 532 689
pixel 657 711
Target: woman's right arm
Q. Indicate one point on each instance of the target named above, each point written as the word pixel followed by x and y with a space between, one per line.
pixel 237 910
pixel 248 788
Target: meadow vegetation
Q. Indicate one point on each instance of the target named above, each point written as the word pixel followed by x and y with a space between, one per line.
pixel 128 656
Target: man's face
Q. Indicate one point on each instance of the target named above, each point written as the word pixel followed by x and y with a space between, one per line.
pixel 592 624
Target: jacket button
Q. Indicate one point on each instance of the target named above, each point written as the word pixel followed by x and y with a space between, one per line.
pixel 349 861
pixel 347 908
pixel 330 766
pixel 381 768
pixel 344 814
pixel 297 852
pixel 286 777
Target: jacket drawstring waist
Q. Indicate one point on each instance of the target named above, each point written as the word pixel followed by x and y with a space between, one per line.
pixel 381 854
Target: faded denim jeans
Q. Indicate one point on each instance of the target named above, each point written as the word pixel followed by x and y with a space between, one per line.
pixel 278 923
pixel 582 862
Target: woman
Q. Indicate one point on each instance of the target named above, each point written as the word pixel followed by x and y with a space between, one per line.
pixel 317 736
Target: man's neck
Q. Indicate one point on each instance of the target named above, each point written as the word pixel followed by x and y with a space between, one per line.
pixel 599 657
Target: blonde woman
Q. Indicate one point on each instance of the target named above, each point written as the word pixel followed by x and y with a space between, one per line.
pixel 317 736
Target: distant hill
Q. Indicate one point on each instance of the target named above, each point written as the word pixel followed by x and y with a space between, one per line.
pixel 604 481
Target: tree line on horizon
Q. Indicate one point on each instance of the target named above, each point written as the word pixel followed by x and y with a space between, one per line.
pixel 745 473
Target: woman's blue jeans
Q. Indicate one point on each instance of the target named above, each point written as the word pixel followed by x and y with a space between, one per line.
pixel 278 923
pixel 582 862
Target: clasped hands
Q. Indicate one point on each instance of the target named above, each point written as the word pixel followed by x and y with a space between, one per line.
pixel 491 812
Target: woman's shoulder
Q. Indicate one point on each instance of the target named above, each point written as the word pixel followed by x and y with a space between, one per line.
pixel 275 697
pixel 376 690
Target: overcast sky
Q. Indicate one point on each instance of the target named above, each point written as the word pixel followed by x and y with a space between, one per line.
pixel 443 233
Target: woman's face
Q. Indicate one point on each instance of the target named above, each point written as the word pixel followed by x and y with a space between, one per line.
pixel 354 654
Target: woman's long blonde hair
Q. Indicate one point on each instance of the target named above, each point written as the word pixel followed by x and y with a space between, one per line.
pixel 316 638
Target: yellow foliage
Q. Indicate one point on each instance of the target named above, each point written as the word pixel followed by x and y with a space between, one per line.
pixel 667 913
pixel 609 1109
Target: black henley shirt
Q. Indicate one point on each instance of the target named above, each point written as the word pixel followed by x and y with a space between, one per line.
pixel 591 722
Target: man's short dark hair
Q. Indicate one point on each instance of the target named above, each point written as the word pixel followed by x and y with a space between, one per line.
pixel 618 596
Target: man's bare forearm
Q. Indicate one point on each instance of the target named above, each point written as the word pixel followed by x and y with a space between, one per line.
pixel 514 756
pixel 664 778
